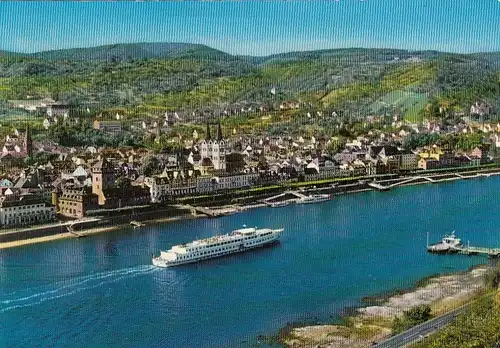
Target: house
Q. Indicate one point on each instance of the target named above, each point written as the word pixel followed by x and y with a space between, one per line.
pixel 49 122
pixel 58 110
pixel 408 160
pixel 481 152
pixel 75 201
pixel 159 187
pixel 428 163
pixel 108 126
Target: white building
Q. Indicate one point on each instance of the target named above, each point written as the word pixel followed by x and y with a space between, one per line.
pixel 159 187
pixel 25 210
pixel 205 184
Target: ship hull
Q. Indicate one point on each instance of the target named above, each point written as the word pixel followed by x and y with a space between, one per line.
pixel 157 261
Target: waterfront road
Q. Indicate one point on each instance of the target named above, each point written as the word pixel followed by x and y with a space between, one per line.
pixel 418 332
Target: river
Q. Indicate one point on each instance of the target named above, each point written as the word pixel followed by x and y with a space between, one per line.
pixel 102 290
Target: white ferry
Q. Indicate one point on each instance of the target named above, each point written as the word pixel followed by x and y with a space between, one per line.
pixel 238 241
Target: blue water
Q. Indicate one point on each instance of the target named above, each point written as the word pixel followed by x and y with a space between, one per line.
pixel 102 291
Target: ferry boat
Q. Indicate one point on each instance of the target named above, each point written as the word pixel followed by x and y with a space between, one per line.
pixel 237 241
pixel 449 244
pixel 314 199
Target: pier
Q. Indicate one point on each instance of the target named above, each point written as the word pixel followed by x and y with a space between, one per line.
pixel 473 250
pixel 136 224
pixel 452 245
pixel 72 231
pixel 298 195
pixel 210 212
pixel 380 187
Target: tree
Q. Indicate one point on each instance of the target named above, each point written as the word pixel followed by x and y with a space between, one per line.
pixel 150 165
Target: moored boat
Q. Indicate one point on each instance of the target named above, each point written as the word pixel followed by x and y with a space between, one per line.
pixel 314 198
pixel 237 241
pixel 449 244
pixel 278 204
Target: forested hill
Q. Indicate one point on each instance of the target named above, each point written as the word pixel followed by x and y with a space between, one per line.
pixel 151 77
pixel 134 51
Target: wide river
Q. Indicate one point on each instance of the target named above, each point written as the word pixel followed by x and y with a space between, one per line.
pixel 103 291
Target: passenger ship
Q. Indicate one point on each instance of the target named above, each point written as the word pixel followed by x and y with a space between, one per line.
pixel 238 241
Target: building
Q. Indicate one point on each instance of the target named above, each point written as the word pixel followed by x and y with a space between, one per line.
pixel 103 178
pixel 18 210
pixel 429 163
pixel 17 148
pixel 75 201
pixel 159 187
pixel 206 184
pixel 480 152
pixel 408 160
pixel 49 121
pixel 58 110
pixel 214 149
pixel 108 126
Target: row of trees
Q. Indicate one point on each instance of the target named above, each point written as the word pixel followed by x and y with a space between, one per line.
pixel 85 135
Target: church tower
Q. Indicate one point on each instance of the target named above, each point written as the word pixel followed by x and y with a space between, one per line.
pixel 214 149
pixel 219 151
pixel 28 142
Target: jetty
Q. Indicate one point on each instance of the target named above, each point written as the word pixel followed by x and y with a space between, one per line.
pixel 72 231
pixel 137 224
pixel 298 196
pixel 380 187
pixel 195 210
pixel 453 245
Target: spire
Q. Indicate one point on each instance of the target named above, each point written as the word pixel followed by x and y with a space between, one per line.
pixel 207 135
pixel 219 132
pixel 28 143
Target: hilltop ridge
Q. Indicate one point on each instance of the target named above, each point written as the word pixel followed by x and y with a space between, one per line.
pixel 159 77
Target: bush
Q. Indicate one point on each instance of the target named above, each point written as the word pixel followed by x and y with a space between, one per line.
pixel 411 317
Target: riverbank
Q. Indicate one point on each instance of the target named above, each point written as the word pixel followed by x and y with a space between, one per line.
pixel 373 322
pixel 89 232
pixel 36 234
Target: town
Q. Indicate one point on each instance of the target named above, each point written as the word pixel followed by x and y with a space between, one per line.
pixel 43 181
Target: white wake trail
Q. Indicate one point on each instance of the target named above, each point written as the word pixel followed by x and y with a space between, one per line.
pixel 114 275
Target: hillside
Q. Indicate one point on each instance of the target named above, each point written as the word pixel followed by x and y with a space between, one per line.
pixel 147 78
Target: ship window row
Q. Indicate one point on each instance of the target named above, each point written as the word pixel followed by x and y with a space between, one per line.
pixel 211 246
pixel 210 252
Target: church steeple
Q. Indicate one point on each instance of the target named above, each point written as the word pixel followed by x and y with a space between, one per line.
pixel 28 142
pixel 219 132
pixel 207 135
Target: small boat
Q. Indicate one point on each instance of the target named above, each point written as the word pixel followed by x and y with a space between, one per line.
pixel 314 199
pixel 278 204
pixel 449 244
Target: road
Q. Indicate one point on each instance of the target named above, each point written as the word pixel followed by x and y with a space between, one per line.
pixel 418 332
